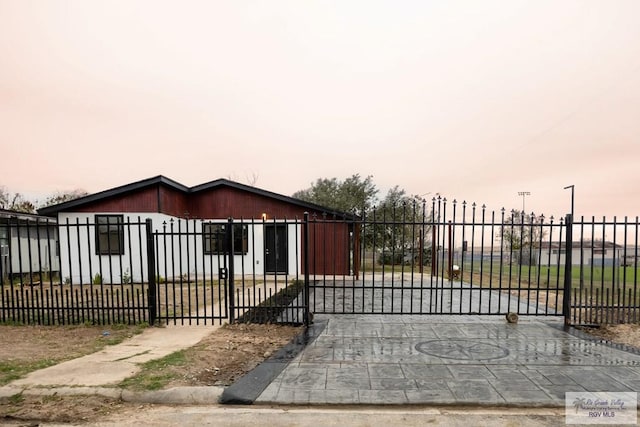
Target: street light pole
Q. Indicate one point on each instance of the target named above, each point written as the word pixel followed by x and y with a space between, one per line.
pixel 572 187
pixel 523 194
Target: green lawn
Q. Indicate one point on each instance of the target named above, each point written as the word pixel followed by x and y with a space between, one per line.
pixel 615 285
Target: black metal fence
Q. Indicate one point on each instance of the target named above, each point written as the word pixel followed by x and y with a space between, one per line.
pixel 413 258
pixel 459 258
pixel 106 269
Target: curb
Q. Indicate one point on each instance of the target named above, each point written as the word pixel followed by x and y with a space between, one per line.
pixel 176 395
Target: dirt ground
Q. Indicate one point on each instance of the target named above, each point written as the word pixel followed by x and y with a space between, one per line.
pixel 219 359
pixel 229 353
pixel 628 334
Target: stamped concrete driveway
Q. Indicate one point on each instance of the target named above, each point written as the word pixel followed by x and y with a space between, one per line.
pixel 449 359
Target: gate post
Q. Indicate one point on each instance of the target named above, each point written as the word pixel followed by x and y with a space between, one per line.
pixel 305 250
pixel 230 271
pixel 151 273
pixel 566 294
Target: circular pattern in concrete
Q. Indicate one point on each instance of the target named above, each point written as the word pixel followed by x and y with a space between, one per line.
pixel 462 349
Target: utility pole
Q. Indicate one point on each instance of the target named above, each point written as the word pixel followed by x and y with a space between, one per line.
pixel 523 194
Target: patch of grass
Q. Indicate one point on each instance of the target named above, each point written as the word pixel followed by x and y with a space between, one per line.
pixel 16 399
pixel 13 370
pixel 155 374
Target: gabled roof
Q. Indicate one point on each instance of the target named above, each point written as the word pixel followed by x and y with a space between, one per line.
pixel 123 189
pixel 162 180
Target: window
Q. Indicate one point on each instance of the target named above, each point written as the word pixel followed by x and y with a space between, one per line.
pixel 214 235
pixel 109 235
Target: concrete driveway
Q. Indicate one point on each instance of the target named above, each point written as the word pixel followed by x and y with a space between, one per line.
pixel 441 359
pixel 471 360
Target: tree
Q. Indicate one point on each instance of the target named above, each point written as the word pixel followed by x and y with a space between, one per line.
pixel 15 202
pixel 353 195
pixel 520 235
pixel 61 197
pixel 401 224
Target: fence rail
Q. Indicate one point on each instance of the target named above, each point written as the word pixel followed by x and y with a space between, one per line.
pixel 415 258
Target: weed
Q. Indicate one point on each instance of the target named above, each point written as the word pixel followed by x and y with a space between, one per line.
pixel 126 277
pixel 15 399
pixel 155 374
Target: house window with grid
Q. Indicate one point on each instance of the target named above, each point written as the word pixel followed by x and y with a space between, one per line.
pixel 109 235
pixel 214 239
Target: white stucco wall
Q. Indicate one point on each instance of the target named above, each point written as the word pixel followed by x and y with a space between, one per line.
pixel 180 252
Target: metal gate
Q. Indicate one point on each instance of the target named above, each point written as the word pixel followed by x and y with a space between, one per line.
pixel 415 260
pixel 237 270
pixel 455 258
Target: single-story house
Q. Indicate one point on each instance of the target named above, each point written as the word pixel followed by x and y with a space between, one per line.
pixel 28 245
pixel 598 253
pixel 104 233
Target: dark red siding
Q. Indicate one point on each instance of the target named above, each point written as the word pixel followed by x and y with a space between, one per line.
pixel 329 246
pixel 173 202
pixel 329 242
pixel 145 200
pixel 229 202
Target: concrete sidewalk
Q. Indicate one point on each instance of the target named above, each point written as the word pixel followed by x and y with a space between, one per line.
pixel 99 372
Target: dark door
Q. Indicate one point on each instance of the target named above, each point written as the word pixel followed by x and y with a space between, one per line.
pixel 275 248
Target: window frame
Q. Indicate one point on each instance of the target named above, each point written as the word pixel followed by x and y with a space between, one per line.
pixel 112 228
pixel 212 246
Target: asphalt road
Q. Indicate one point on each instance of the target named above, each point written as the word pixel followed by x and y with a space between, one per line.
pixel 335 416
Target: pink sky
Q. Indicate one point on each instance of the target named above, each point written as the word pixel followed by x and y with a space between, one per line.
pixel 474 100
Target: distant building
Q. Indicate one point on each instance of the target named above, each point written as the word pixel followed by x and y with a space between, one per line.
pixel 28 245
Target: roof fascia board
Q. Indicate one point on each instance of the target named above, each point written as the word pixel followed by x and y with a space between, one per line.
pixel 54 209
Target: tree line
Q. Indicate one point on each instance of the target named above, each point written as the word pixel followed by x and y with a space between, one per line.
pixel 19 203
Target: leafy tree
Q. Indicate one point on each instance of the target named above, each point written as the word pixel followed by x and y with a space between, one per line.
pixel 354 194
pixel 15 202
pixel 401 224
pixel 521 235
pixel 62 196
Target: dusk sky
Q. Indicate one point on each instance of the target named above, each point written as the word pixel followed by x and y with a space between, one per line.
pixel 475 100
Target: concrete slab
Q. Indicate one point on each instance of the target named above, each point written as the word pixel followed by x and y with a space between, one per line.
pixel 401 358
pixel 383 359
pixel 115 363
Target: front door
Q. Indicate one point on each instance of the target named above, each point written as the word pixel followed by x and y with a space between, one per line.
pixel 275 248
